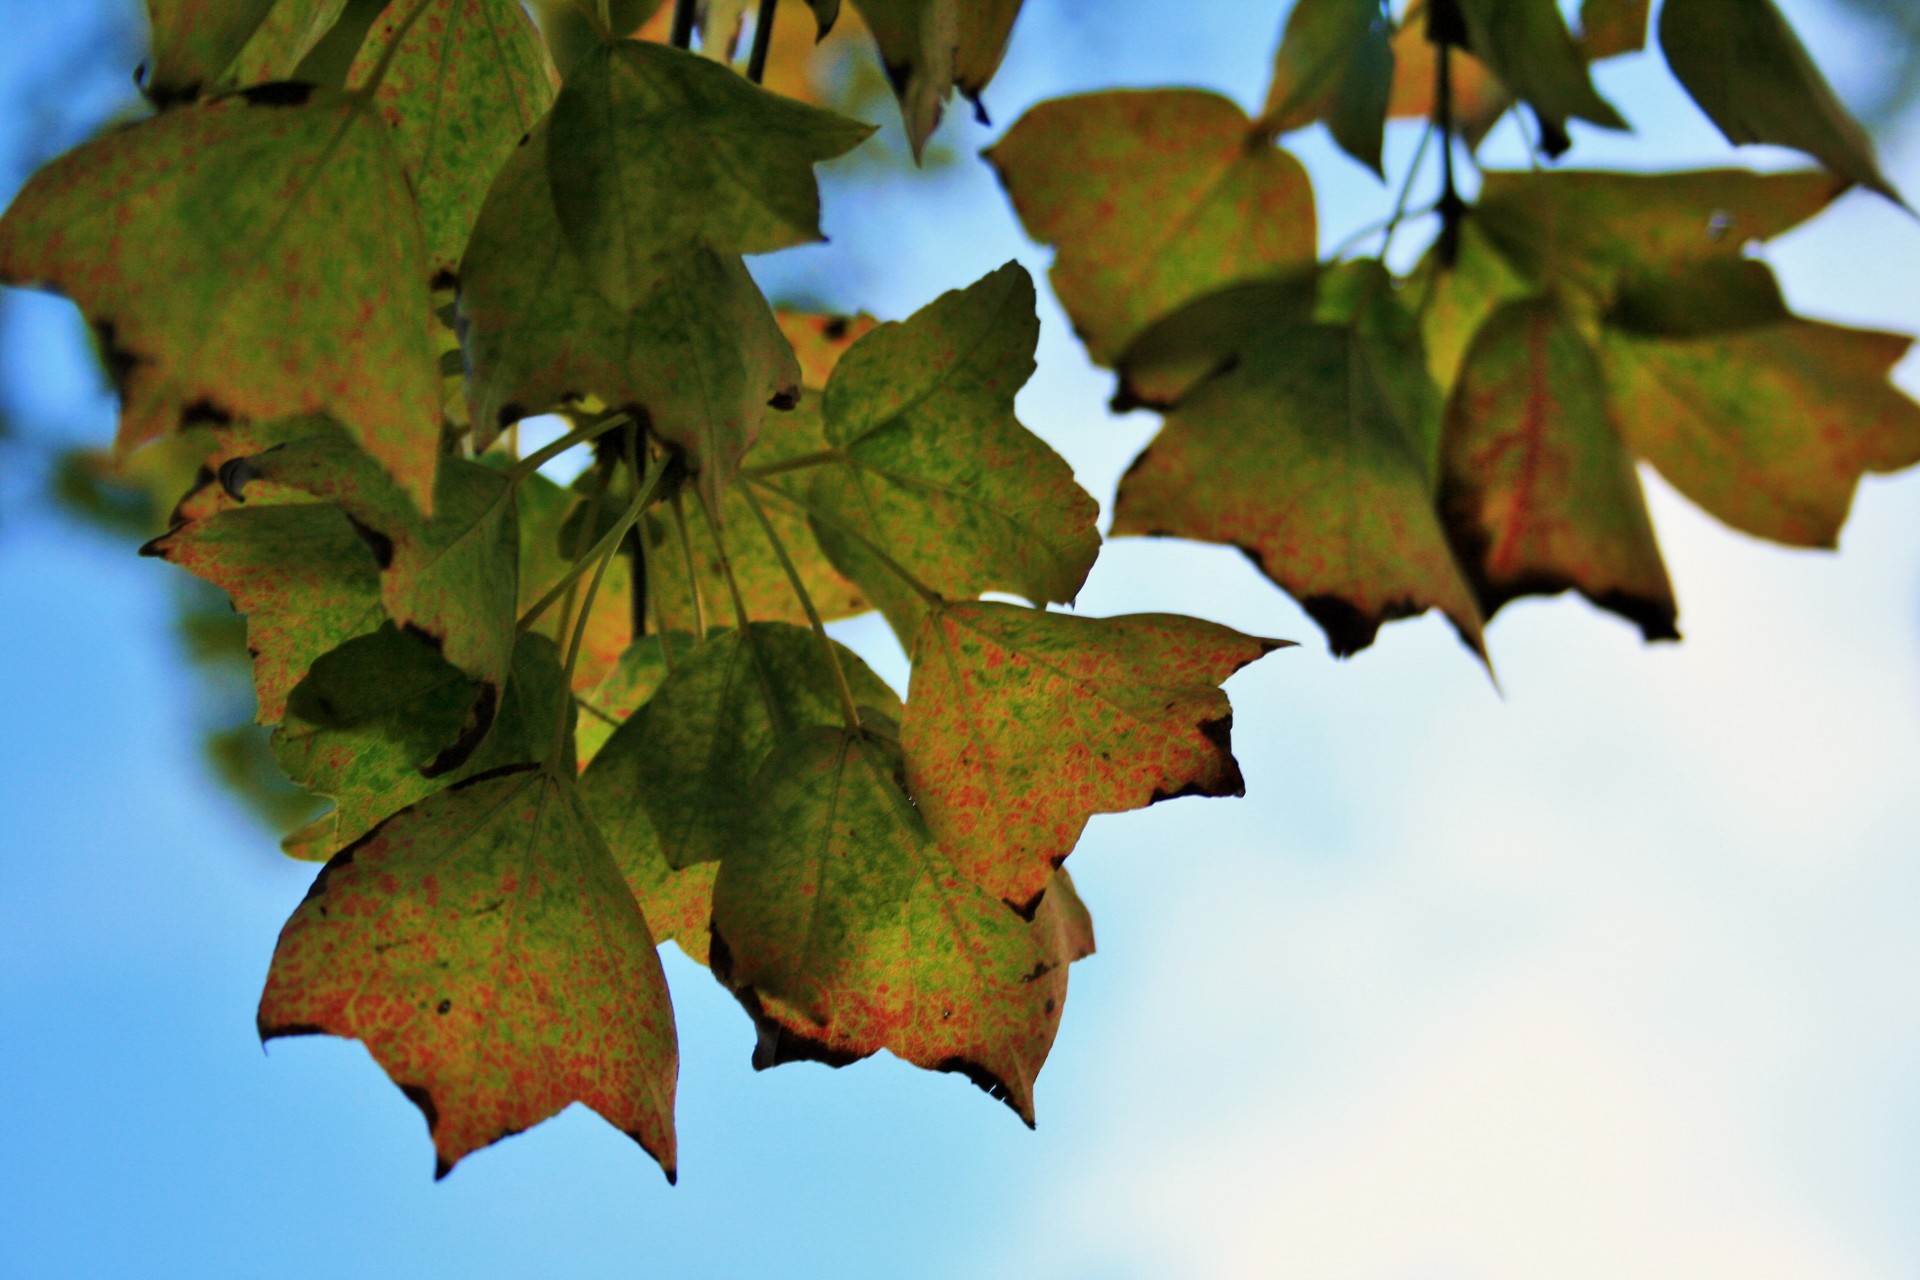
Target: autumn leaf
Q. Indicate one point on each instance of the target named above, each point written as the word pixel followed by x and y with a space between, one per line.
pixel 1749 72
pixel 194 41
pixel 1479 99
pixel 467 80
pixel 1312 447
pixel 1152 199
pixel 1022 724
pixel 688 756
pixel 553 536
pixel 1526 44
pixel 189 239
pixel 843 929
pixel 1539 493
pixel 484 948
pixel 932 465
pixel 1609 28
pixel 652 150
pixel 279 44
pixel 819 340
pixel 1335 64
pixel 607 705
pixel 304 579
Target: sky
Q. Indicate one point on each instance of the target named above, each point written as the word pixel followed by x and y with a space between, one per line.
pixel 1609 971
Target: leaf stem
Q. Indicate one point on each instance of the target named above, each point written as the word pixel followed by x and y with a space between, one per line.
pixel 1406 189
pixel 693 580
pixel 799 462
pixel 683 15
pixel 598 551
pixel 933 599
pixel 579 435
pixel 849 709
pixel 762 41
pixel 776 710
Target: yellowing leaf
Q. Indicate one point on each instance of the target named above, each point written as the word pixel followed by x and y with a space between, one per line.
pixel 193 41
pixel 1152 199
pixel 486 951
pixel 818 341
pixel 252 257
pixel 1747 70
pixel 1539 493
pixel 1335 64
pixel 1021 725
pixel 469 79
pixel 844 930
pixel 1454 301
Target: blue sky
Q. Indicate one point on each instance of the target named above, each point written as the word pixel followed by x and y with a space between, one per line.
pixel 1611 973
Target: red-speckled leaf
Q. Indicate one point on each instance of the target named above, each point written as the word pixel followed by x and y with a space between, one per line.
pixel 194 41
pixel 688 756
pixel 1539 494
pixel 1335 64
pixel 844 929
pixel 469 80
pixel 255 256
pixel 275 50
pixel 302 576
pixel 452 578
pixel 1021 725
pixel 1313 452
pixel 484 948
pixel 701 358
pixel 934 468
pixel 1152 199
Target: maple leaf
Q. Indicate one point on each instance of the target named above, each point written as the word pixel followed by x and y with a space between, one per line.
pixel 554 534
pixel 466 81
pixel 698 361
pixel 278 45
pixel 1152 198
pixel 1335 63
pixel 194 41
pixel 607 705
pixel 1022 724
pixel 189 239
pixel 689 754
pixel 930 463
pixel 302 576
pixel 484 948
pixel 844 929
pixel 931 47
pixel 1309 442
pixel 1479 99
pixel 1526 44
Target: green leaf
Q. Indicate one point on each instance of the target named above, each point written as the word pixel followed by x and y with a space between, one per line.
pixel 469 79
pixel 1479 99
pixel 451 578
pixel 918 41
pixel 1454 301
pixel 1022 724
pixel 935 468
pixel 1527 45
pixel 190 239
pixel 485 950
pixel 1749 72
pixel 1312 451
pixel 1766 426
pixel 844 930
pixel 1335 64
pixel 688 756
pixel 1539 493
pixel 653 149
pixel 194 41
pixel 607 705
pixel 553 535
pixel 1609 28
pixel 702 358
pixel 1152 199
pixel 278 45
pixel 302 576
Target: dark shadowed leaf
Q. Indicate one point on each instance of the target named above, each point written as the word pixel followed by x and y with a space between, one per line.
pixel 1527 45
pixel 194 41
pixel 484 948
pixel 1609 28
pixel 1335 64
pixel 278 45
pixel 1479 99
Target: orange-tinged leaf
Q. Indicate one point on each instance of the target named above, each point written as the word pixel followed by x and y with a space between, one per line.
pixel 1479 99
pixel 1539 492
pixel 1152 199
pixel 819 340
pixel 1609 28
pixel 252 257
pixel 844 929
pixel 1022 724
pixel 484 948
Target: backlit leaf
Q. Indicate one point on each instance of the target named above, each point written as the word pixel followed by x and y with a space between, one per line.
pixel 844 929
pixel 918 41
pixel 1022 724
pixel 1539 493
pixel 1335 64
pixel 607 705
pixel 193 41
pixel 256 256
pixel 818 341
pixel 1749 72
pixel 1151 199
pixel 1479 99
pixel 484 948
pixel 1527 45
pixel 277 46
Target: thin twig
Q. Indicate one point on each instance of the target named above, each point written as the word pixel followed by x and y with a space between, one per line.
pixel 776 709
pixel 799 462
pixel 683 15
pixel 762 41
pixel 693 576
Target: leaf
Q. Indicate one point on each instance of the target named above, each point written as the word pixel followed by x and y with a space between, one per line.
pixel 192 240
pixel 1748 71
pixel 607 705
pixel 1456 300
pixel 1335 64
pixel 485 950
pixel 1152 199
pixel 1022 724
pixel 1609 28
pixel 552 538
pixel 451 578
pixel 278 45
pixel 1539 493
pixel 1479 99
pixel 1527 45
pixel 1767 426
pixel 818 341
pixel 301 575
pixel 985 27
pixel 1312 450
pixel 469 79
pixel 652 150
pixel 843 929
pixel 935 468
pixel 919 41
pixel 193 41
pixel 688 756
pixel 701 359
